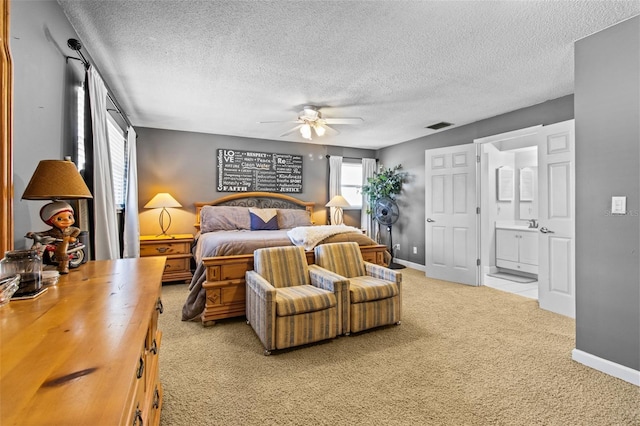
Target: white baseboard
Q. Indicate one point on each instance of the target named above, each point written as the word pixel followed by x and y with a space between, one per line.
pixel 408 264
pixel 611 368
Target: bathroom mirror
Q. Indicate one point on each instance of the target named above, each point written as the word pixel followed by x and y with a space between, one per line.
pixel 527 187
pixel 505 183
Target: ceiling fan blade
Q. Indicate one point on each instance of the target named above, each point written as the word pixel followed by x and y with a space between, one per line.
pixel 291 131
pixel 330 130
pixel 352 120
pixel 279 121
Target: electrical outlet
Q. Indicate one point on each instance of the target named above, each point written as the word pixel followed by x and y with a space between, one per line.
pixel 415 250
pixel 396 247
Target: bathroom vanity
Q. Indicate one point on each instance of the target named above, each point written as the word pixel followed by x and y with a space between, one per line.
pixel 517 248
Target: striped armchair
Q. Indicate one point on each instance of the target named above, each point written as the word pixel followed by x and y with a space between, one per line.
pixel 375 296
pixel 290 303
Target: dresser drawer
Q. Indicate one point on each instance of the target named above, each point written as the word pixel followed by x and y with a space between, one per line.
pixel 136 412
pixel 176 264
pixel 163 248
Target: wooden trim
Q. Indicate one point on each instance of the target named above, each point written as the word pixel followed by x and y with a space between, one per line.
pixel 307 205
pixel 6 132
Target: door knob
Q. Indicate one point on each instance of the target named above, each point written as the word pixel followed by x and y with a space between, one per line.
pixel 545 230
pixel 430 220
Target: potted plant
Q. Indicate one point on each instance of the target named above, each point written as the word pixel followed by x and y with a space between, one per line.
pixel 384 183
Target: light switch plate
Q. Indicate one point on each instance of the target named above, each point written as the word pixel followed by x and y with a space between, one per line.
pixel 618 205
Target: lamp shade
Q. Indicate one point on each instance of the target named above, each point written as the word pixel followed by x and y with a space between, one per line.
pixel 338 201
pixel 55 180
pixel 162 200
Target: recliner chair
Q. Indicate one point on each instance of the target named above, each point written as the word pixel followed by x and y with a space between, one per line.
pixel 291 303
pixel 375 292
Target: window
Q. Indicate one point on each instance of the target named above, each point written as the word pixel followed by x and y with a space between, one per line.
pixel 118 151
pixel 352 183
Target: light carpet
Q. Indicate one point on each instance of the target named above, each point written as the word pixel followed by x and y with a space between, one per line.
pixel 462 356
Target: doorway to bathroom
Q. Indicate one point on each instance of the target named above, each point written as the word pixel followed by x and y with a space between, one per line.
pixel 504 207
pixel 509 211
pixel 527 220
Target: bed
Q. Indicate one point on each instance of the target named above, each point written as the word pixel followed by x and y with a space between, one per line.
pixel 230 228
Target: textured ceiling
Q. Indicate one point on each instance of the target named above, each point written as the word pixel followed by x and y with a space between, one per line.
pixel 222 66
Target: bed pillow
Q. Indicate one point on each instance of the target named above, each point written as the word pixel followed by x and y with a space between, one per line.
pixel 224 218
pixel 263 219
pixel 290 218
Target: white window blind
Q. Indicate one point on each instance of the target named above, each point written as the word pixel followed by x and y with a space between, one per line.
pixel 351 184
pixel 118 150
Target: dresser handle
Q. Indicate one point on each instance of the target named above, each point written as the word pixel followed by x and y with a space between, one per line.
pixel 156 398
pixel 137 419
pixel 159 306
pixel 162 249
pixel 154 347
pixel 140 371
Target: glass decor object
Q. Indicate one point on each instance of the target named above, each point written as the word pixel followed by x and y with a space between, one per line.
pixel 8 286
pixel 28 266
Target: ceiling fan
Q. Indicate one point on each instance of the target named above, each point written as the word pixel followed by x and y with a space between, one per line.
pixel 310 118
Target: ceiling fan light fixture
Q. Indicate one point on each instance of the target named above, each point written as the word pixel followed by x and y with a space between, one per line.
pixel 311 112
pixel 319 129
pixel 305 131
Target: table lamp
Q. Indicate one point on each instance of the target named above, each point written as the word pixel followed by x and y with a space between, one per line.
pixel 57 180
pixel 163 200
pixel 338 202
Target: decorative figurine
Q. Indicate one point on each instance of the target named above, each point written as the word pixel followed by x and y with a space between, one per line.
pixel 60 241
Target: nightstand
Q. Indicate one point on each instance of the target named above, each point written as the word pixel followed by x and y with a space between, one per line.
pixel 177 249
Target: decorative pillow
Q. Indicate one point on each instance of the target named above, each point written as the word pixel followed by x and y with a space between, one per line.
pixel 263 219
pixel 290 218
pixel 224 218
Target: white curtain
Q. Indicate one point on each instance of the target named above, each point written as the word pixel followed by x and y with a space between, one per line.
pixel 367 222
pixel 107 244
pixel 335 180
pixel 131 224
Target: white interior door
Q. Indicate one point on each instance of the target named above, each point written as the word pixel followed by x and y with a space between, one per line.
pixel 556 273
pixel 450 211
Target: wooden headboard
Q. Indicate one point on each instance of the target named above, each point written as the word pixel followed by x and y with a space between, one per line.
pixel 261 200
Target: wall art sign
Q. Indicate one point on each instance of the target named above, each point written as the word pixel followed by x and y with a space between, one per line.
pixel 246 171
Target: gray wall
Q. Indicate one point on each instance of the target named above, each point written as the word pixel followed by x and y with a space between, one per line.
pixel 409 231
pixel 184 164
pixel 44 99
pixel 607 106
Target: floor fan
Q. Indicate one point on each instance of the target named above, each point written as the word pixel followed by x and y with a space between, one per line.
pixel 386 213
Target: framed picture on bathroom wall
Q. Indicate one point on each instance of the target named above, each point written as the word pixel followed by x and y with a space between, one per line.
pixel 505 182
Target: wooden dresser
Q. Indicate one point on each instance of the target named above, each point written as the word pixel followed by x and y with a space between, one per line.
pixel 87 350
pixel 177 249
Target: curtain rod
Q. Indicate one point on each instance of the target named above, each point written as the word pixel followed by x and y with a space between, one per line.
pixel 77 46
pixel 349 158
